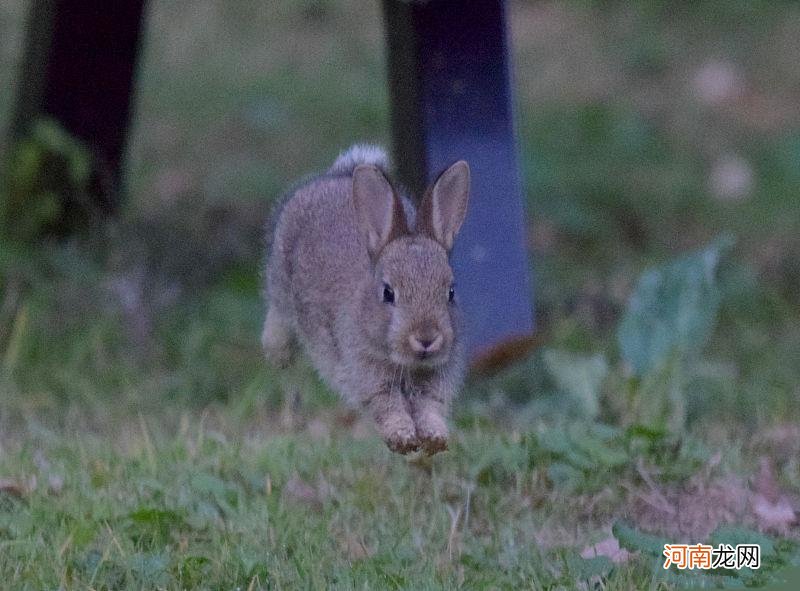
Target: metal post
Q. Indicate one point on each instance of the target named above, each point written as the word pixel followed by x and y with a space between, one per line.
pixel 449 78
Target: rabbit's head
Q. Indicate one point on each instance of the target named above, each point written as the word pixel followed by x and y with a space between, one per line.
pixel 411 299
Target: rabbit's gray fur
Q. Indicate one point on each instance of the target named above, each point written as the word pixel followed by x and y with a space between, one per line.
pixel 360 154
pixel 340 241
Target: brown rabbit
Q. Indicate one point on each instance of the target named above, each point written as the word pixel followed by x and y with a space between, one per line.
pixel 363 282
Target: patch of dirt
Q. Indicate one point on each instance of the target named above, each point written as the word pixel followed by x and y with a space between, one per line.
pixel 691 511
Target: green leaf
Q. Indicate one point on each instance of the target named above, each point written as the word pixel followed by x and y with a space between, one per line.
pixel 193 570
pixel 632 539
pixel 586 568
pixel 150 568
pixel 604 454
pixel 558 442
pixel 673 308
pixel 652 435
pixel 83 533
pixel 254 566
pixel 155 524
pixel 735 534
pixel 563 475
pixel 204 482
pixel 157 517
pixel 695 579
pixel 215 488
pixel 579 377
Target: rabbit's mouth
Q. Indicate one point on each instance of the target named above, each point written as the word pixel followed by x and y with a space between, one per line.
pixel 426 357
pixel 420 360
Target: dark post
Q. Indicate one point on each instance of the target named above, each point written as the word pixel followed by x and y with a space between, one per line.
pixel 78 68
pixel 449 78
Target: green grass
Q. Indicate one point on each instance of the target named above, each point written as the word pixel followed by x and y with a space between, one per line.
pixel 204 503
pixel 145 444
pixel 200 509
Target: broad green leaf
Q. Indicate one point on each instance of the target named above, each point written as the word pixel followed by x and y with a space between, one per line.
pixel 558 442
pixel 632 539
pixel 583 448
pixel 651 435
pixel 673 308
pixel 695 579
pixel 604 454
pixel 735 534
pixel 564 475
pixel 153 523
pixel 579 377
pixel 586 568
pixel 204 482
pixel 659 400
pixel 150 568
pixel 786 579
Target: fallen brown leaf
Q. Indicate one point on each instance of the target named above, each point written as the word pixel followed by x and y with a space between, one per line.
pixel 776 516
pixel 298 491
pixel 353 547
pixel 18 488
pixel 12 487
pixel 765 483
pixel 771 508
pixel 609 548
pixel 55 484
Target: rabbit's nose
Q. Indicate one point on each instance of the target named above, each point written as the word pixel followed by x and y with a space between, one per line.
pixel 426 344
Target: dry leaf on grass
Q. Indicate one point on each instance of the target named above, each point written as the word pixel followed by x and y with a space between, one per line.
pixel 55 484
pixel 609 548
pixel 697 507
pixel 765 482
pixel 772 509
pixel 775 516
pixel 318 430
pixel 16 487
pixel 298 491
pixel 354 548
pixel 694 508
pixel 12 487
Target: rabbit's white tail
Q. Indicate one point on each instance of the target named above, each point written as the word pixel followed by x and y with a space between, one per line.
pixel 360 154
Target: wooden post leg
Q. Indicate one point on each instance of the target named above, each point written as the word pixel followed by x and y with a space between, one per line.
pixel 78 69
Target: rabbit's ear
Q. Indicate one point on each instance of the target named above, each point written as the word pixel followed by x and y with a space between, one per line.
pixel 445 205
pixel 379 213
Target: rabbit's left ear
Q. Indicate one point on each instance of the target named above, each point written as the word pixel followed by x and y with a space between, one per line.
pixel 378 210
pixel 445 205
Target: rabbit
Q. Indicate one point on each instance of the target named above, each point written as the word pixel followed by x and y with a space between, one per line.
pixel 361 280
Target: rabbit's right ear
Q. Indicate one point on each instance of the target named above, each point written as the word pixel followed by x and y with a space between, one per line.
pixel 378 211
pixel 444 206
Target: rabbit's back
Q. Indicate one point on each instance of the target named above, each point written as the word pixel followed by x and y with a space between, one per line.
pixel 318 260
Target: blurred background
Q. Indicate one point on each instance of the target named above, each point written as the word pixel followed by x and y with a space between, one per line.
pixel 660 150
pixel 645 130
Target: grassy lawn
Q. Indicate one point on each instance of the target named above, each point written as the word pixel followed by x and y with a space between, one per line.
pixel 144 443
pixel 308 508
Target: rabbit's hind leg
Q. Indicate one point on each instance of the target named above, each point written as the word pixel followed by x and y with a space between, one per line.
pixel 278 339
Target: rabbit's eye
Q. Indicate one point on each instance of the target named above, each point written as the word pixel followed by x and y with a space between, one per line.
pixel 451 294
pixel 388 294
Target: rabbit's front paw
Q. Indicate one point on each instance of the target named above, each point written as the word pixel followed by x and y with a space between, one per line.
pixel 394 423
pixel 403 443
pixel 434 444
pixel 400 435
pixel 432 433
